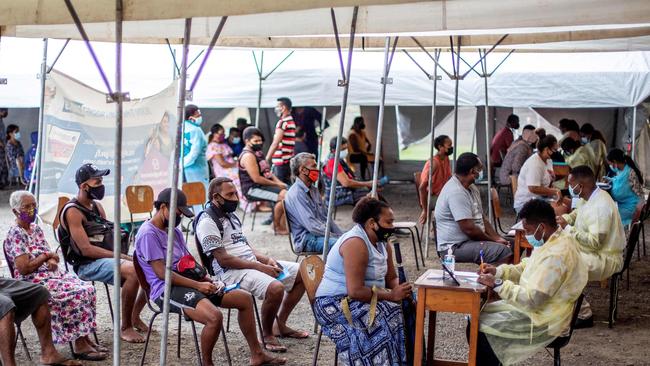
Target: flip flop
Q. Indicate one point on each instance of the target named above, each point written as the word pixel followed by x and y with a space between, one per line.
pixel 67 362
pixel 295 334
pixel 275 347
pixel 272 362
pixel 91 356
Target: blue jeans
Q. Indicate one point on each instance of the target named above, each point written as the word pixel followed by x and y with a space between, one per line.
pixel 100 270
pixel 315 243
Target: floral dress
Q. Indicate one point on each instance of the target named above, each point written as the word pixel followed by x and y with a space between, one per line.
pixel 226 153
pixel 72 301
pixel 13 153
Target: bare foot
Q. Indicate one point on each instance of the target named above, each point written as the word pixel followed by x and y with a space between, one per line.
pixel 131 336
pixel 283 331
pixel 265 359
pixel 139 325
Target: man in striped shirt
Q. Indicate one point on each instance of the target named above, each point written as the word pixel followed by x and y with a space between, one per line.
pixel 281 150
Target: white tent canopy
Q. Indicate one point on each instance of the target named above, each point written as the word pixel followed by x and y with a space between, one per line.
pixel 553 80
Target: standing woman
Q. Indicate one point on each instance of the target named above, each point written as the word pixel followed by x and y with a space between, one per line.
pixel 221 156
pixel 360 146
pixel 360 281
pixel 627 184
pixel 15 155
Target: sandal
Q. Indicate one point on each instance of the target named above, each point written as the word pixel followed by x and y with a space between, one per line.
pixel 91 356
pixel 66 362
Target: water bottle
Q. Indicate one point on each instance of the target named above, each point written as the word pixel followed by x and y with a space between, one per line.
pixel 450 262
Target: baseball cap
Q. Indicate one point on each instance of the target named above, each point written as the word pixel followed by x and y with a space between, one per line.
pixel 88 171
pixel 165 196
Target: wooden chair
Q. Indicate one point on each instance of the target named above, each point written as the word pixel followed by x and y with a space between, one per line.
pixel 293 250
pixel 561 342
pixel 57 219
pixel 139 200
pixel 632 241
pixel 195 194
pixel 173 309
pixel 513 184
pixel 312 269
pixel 410 226
pixel 496 211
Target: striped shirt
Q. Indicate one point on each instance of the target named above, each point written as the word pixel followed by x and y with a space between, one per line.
pixel 284 152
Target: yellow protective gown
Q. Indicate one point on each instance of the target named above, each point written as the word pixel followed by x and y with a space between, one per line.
pixel 596 225
pixel 600 154
pixel 584 155
pixel 538 297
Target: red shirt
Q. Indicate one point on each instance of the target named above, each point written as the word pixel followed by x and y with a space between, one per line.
pixel 284 152
pixel 500 144
pixel 439 177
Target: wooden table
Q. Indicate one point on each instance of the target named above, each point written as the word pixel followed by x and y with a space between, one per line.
pixel 520 243
pixel 435 295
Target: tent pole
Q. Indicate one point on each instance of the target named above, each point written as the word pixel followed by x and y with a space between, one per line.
pixel 345 83
pixel 320 142
pixel 430 174
pixel 117 97
pixel 633 132
pixel 259 88
pixel 36 172
pixel 457 78
pixel 174 194
pixel 487 138
pixel 380 117
pixel 213 42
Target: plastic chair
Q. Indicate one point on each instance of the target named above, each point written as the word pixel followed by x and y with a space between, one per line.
pixel 139 200
pixel 195 194
pixel 19 332
pixel 410 226
pixel 205 262
pixel 312 269
pixel 293 250
pixel 632 241
pixel 157 311
pixel 252 201
pixel 561 342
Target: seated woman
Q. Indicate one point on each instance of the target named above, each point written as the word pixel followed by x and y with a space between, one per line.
pixel 360 269
pixel 221 156
pixel 348 190
pixel 72 301
pixel 627 184
pixel 536 175
pixel 577 154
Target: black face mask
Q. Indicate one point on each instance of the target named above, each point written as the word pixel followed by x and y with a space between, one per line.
pixel 229 206
pixel 362 126
pixel 383 233
pixel 96 193
pixel 450 151
pixel 257 147
pixel 166 221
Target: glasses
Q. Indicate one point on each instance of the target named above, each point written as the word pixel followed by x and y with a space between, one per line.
pixel 29 206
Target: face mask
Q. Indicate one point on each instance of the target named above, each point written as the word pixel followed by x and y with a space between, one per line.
pixel 362 126
pixel 383 233
pixel 257 147
pixel 278 111
pixel 29 216
pixel 96 193
pixel 236 140
pixel 343 154
pixel 584 140
pixel 221 138
pixel 614 169
pixel 229 206
pixel 534 241
pixel 198 120
pixel 166 221
pixel 17 135
pixel 573 193
pixel 450 151
pixel 480 176
pixel 313 175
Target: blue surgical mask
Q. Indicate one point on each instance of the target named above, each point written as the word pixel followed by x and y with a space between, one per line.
pixel 533 240
pixel 236 140
pixel 614 169
pixel 17 135
pixel 343 154
pixel 197 121
pixel 480 176
pixel 573 193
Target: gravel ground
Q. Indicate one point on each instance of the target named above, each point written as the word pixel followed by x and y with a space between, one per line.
pixel 626 344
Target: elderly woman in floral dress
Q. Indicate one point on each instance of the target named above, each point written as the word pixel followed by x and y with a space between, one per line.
pixel 72 301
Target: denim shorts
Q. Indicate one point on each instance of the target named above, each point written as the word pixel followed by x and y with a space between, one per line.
pixel 100 270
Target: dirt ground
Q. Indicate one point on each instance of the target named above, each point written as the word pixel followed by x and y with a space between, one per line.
pixel 626 344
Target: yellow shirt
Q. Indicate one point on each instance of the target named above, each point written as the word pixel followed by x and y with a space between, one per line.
pixel 537 299
pixel 596 225
pixel 584 155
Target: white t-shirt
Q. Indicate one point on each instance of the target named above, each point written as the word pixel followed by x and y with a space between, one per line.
pixel 534 172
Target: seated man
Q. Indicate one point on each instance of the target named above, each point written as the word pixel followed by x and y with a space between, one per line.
pixel 537 295
pixel 460 222
pixel 199 297
pixel 91 256
pixel 234 260
pixel 18 300
pixel 306 211
pixel 348 190
pixel 257 181
pixel 596 225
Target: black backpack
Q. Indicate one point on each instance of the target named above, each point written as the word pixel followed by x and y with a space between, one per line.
pixel 216 217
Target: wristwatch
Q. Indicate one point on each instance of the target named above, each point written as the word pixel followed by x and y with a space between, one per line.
pixel 498 282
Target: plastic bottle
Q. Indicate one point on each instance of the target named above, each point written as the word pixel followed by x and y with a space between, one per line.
pixel 449 261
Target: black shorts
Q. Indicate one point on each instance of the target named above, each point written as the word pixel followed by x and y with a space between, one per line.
pixel 22 297
pixel 185 297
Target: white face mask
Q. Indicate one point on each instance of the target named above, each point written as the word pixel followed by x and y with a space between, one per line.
pixel 343 154
pixel 278 111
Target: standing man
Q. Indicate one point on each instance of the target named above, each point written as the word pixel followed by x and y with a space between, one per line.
pixel 195 144
pixel 306 212
pixel 596 225
pixel 503 139
pixel 281 150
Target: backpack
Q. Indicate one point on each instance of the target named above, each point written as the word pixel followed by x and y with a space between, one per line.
pixel 99 232
pixel 215 216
